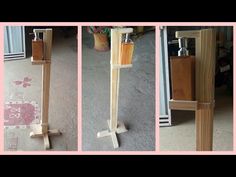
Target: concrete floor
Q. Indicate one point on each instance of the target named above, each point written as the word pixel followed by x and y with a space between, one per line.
pixel 63 96
pixel 136 97
pixel 181 136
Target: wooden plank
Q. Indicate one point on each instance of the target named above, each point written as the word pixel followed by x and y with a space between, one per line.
pixel 39 62
pixel 205 78
pixel 54 132
pixel 115 73
pixel 114 140
pixel 204 129
pixel 48 41
pixel 103 133
pixel 124 30
pixel 121 66
pixel 46 68
pixel 183 105
pixel 187 34
pixel 46 141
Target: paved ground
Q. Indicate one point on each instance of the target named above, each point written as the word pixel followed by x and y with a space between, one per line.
pixel 181 136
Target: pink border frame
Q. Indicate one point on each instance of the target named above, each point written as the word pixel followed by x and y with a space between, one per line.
pixel 80 152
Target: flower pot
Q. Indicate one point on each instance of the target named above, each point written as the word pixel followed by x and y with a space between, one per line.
pixel 101 42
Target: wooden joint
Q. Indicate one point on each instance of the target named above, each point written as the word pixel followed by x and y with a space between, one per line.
pixel 120 66
pixel 124 30
pixel 44 124
pixel 206 105
pixel 40 62
pixel 183 105
pixel 187 34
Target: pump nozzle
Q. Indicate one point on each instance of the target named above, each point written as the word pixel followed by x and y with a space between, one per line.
pixel 183 44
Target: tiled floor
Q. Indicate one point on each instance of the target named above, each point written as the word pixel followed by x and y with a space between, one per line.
pixel 181 136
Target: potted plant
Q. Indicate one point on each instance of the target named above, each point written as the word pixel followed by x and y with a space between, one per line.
pixel 101 37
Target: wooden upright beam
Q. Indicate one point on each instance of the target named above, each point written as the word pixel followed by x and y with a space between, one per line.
pixel 46 69
pixel 115 75
pixel 205 79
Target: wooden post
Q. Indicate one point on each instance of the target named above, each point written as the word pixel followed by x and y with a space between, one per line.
pixel 46 69
pixel 113 124
pixel 204 82
pixel 43 129
pixel 205 86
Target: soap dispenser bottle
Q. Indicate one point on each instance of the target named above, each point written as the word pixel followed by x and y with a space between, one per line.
pixel 37 47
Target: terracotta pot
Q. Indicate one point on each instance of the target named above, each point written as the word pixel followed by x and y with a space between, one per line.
pixel 101 42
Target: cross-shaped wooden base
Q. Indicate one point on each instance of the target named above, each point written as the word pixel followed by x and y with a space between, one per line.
pixel 120 129
pixel 37 132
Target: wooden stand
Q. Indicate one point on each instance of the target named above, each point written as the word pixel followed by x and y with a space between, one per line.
pixel 114 126
pixel 42 130
pixel 205 78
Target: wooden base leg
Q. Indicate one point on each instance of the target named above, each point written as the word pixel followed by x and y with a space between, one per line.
pixel 204 129
pixel 46 141
pixel 37 132
pixel 120 129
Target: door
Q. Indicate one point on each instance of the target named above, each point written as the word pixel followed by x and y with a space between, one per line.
pixel 165 113
pixel 14 42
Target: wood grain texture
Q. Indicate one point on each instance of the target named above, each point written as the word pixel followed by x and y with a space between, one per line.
pixel 37 49
pixel 46 69
pixel 115 74
pixel 204 129
pixel 188 34
pixel 183 77
pixel 205 79
pixel 183 105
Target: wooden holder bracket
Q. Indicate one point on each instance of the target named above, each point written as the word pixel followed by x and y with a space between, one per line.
pixel 204 87
pixel 113 126
pixel 42 129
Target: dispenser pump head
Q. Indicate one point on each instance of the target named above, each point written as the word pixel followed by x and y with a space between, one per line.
pixel 183 44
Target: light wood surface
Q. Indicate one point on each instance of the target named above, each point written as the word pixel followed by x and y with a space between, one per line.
pixel 205 86
pixel 115 75
pixel 183 105
pixel 46 70
pixel 188 34
pixel 39 62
